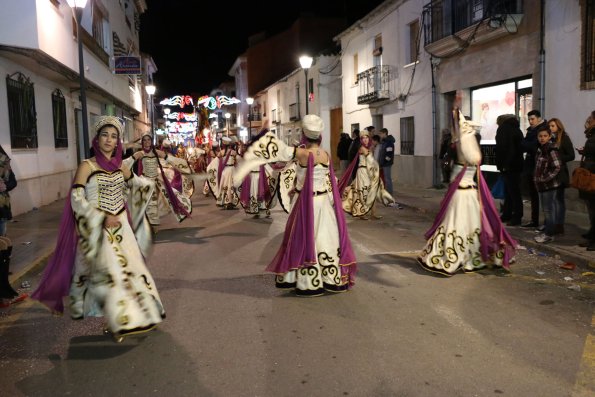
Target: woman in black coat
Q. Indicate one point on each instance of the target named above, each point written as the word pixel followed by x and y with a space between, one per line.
pixel 588 153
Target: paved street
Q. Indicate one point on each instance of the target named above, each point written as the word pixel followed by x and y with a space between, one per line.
pixel 400 332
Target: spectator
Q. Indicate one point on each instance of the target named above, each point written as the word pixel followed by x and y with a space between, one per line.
pixel 376 146
pixel 564 144
pixel 530 146
pixel 7 182
pixel 354 147
pixel 588 153
pixel 509 160
pixel 547 180
pixel 387 156
pixel 445 156
pixel 343 150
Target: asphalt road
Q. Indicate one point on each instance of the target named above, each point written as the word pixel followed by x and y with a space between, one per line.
pixel 400 332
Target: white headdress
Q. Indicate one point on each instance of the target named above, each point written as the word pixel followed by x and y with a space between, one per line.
pixel 468 146
pixel 312 126
pixel 114 121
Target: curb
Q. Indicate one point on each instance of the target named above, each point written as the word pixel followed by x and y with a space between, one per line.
pixel 30 267
pixel 565 254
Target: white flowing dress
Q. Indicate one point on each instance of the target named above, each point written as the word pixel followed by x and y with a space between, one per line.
pixel 367 187
pixel 110 276
pixel 455 245
pixel 325 274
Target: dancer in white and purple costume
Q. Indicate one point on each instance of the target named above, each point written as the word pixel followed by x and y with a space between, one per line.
pixel 99 261
pixel 316 254
pixel 467 233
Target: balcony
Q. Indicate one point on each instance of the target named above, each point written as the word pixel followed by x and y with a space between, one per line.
pixel 452 25
pixel 373 85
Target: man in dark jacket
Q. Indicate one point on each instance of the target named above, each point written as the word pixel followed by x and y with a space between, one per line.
pixel 343 150
pixel 530 146
pixel 509 160
pixel 386 158
pixel 354 146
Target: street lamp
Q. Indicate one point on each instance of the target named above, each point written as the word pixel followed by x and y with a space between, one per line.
pixel 151 91
pixel 227 116
pixel 78 6
pixel 306 62
pixel 250 101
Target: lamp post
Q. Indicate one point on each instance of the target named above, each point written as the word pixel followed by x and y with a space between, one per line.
pixel 250 101
pixel 306 62
pixel 227 116
pixel 151 91
pixel 78 6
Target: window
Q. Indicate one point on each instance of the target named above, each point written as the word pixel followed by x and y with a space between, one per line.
pixel 407 135
pixel 354 126
pixel 588 45
pixel 310 90
pixel 377 45
pixel 377 53
pixel 264 108
pixel 21 111
pixel 413 41
pixel 355 69
pixel 59 118
pixel 100 28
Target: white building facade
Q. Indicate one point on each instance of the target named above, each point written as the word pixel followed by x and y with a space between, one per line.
pixel 41 123
pixel 387 84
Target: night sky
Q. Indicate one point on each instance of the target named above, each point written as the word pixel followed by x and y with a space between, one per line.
pixel 195 43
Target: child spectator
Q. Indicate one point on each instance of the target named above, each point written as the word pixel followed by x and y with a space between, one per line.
pixel 547 180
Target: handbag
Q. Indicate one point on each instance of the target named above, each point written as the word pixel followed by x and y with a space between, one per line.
pixel 583 179
pixel 498 189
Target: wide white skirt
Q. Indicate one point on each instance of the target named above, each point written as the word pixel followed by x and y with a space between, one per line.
pixel 117 285
pixel 325 274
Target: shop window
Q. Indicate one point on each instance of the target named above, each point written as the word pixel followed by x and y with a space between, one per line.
pixel 59 119
pixel 22 115
pixel 487 103
pixel 407 135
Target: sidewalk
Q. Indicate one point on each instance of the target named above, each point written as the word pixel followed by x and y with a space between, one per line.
pixel 34 233
pixel 565 246
pixel 33 236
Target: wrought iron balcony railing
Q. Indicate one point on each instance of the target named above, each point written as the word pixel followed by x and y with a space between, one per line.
pixel 373 85
pixel 443 18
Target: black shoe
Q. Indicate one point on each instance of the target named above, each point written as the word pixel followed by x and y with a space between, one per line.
pixel 514 222
pixel 588 236
pixel 530 225
pixel 591 247
pixel 585 244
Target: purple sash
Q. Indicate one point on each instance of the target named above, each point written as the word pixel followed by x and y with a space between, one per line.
pixel 298 248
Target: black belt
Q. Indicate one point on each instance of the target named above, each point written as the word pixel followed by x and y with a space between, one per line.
pixel 317 193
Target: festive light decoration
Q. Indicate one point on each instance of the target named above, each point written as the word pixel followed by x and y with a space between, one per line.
pixel 178 100
pixel 177 127
pixel 216 102
pixel 181 116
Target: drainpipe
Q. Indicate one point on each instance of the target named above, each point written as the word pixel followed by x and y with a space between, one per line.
pixel 434 130
pixel 542 61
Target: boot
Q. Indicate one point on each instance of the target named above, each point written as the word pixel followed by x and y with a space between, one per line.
pixel 559 229
pixel 6 291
